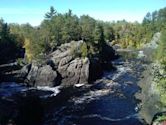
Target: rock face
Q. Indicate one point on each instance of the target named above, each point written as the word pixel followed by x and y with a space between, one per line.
pixel 46 76
pixel 74 72
pixel 40 75
pixel 62 68
pixel 31 77
pixel 153 44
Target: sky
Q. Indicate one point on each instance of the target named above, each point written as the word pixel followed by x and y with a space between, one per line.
pixel 33 11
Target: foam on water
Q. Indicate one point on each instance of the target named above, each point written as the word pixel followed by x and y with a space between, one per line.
pixel 141 54
pixel 92 95
pixel 55 90
pixel 79 85
pixel 110 119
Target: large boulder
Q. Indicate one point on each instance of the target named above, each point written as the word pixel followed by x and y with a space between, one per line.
pixel 24 71
pixel 74 72
pixel 46 76
pixel 62 52
pixel 31 77
pixel 40 75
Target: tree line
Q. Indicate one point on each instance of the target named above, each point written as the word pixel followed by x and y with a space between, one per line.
pixel 58 28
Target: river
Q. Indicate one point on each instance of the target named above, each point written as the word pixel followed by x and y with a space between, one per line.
pixel 110 100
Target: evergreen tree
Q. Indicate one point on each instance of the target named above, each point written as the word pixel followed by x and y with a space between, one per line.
pixel 50 14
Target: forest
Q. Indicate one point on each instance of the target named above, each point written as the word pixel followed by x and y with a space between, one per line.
pixel 57 28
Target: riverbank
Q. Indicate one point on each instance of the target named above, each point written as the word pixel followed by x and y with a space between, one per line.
pixel 150 95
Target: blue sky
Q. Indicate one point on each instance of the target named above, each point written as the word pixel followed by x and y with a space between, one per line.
pixel 33 11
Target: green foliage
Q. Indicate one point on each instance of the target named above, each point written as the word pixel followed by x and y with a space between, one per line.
pixel 9 43
pixel 99 37
pixel 84 50
pixel 58 28
pixel 161 118
pixel 152 23
pixel 161 58
pixel 161 86
pixel 128 35
pixel 134 34
pixel 50 14
pixel 87 24
pixel 109 32
pixel 161 51
pixel 20 61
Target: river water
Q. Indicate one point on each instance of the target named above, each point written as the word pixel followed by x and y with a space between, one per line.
pixel 108 101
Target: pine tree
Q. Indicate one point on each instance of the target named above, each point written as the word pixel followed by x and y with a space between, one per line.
pixel 51 14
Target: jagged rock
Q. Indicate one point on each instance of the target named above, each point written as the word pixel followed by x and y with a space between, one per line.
pixel 62 52
pixel 24 71
pixel 74 72
pixel 46 76
pixel 62 67
pixel 40 75
pixel 31 77
pixel 153 44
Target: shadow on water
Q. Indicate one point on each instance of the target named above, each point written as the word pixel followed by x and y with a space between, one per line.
pixel 30 111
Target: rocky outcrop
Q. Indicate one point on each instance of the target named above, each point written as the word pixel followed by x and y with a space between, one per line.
pixel 153 44
pixel 31 77
pixel 61 67
pixel 151 106
pixel 46 76
pixel 74 72
pixel 40 75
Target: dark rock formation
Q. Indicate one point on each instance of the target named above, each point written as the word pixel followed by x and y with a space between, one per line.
pixel 32 75
pixel 40 75
pixel 74 72
pixel 109 53
pixel 46 76
pixel 62 67
pixel 24 71
pixel 95 70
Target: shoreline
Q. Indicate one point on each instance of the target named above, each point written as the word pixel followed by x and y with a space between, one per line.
pixel 149 97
